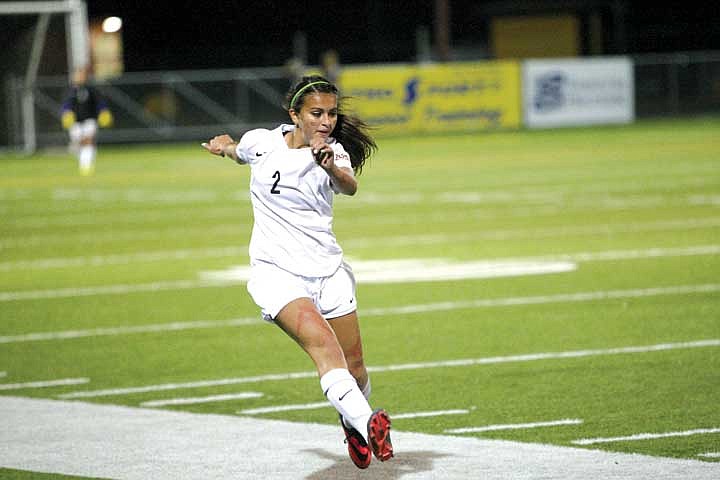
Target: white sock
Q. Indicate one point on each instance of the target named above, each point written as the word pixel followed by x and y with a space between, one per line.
pixel 366 390
pixel 342 390
pixel 87 156
pixel 366 393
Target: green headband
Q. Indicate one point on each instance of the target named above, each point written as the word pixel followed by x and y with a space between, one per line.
pixel 297 94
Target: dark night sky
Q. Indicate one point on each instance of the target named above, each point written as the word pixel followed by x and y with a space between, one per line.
pixel 234 34
pixel 185 34
pixel 260 33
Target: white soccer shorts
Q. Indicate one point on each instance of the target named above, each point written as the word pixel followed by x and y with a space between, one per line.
pixel 83 129
pixel 272 288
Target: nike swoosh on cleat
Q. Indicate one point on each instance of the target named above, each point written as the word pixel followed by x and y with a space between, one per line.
pixel 343 395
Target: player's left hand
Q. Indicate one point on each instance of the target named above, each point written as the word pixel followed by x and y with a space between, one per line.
pixel 324 155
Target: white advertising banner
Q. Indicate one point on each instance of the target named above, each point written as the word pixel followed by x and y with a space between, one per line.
pixel 574 92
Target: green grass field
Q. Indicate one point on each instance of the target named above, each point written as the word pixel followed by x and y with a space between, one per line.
pixel 107 271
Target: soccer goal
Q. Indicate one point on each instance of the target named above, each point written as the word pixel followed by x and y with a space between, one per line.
pixel 77 46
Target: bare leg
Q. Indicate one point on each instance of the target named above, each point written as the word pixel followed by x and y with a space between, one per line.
pixel 347 331
pixel 304 324
pixel 301 320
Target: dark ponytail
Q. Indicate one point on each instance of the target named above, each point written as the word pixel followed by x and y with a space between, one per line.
pixel 350 131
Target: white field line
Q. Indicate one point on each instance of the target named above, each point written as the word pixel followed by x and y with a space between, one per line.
pixel 676 179
pixel 284 408
pixel 39 239
pixel 235 251
pixel 400 367
pixel 318 405
pixel 112 331
pixel 597 197
pixel 516 426
pixel 440 269
pixel 210 282
pixel 117 289
pixel 524 233
pixel 138 195
pixel 420 270
pixel 611 255
pixel 212 210
pixel 548 356
pixel 646 436
pixel 433 413
pixel 552 205
pixel 399 240
pixel 541 299
pixel 133 217
pixel 469 211
pixel 196 400
pixel 198 384
pixel 124 259
pixel 709 455
pixel 44 384
pixel 401 310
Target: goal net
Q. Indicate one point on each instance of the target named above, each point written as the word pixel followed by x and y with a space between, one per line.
pixel 48 35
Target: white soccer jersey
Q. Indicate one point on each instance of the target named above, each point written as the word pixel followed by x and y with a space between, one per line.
pixel 292 199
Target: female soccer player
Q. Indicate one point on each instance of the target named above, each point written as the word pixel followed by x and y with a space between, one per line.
pixel 299 279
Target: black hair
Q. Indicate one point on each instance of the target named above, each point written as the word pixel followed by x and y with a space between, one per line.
pixel 352 132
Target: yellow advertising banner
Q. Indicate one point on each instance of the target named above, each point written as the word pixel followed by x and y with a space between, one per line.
pixel 407 99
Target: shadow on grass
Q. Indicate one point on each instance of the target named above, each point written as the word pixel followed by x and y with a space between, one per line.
pixel 404 463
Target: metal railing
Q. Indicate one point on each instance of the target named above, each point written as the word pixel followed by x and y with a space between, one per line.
pixel 196 104
pixel 677 84
pixel 163 106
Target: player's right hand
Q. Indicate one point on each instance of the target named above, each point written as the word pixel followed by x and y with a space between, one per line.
pixel 217 144
pixel 68 119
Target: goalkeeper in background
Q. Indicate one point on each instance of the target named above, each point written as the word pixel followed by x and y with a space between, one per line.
pixel 83 111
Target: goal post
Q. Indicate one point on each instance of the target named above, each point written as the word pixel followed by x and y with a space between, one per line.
pixel 76 26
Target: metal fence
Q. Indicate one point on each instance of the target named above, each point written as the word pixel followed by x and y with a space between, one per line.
pixel 677 84
pixel 192 105
pixel 160 106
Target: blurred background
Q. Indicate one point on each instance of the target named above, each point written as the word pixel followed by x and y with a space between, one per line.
pixel 180 71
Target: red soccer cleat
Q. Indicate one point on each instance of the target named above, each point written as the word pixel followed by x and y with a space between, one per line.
pixel 357 447
pixel 379 435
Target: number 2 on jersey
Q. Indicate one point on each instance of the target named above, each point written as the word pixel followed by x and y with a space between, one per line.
pixel 276 176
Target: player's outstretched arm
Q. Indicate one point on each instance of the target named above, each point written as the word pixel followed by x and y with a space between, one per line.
pixel 222 145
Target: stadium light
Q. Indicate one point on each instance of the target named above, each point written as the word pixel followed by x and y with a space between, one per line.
pixel 112 24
